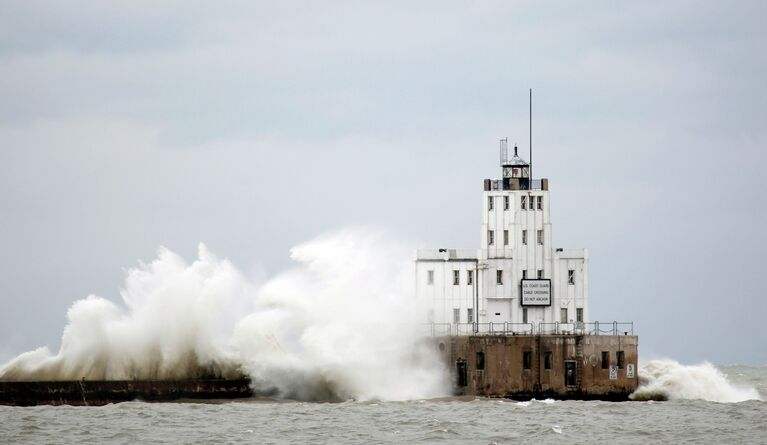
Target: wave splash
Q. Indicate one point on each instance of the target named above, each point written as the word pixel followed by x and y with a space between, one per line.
pixel 670 380
pixel 342 324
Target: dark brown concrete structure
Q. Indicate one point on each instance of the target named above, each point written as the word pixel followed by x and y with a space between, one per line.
pixel 22 393
pixel 602 367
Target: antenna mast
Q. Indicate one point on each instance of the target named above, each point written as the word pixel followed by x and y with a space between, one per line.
pixel 531 138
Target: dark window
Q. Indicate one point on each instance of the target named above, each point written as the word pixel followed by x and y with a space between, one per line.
pixel 505 237
pixel 527 359
pixel 547 359
pixel 469 277
pixel 490 237
pixel 524 315
pixel 605 359
pixel 540 274
pixel 489 203
pixel 619 359
pixel 524 237
pixel 523 202
pixel 540 203
pixel 571 277
pixel 480 360
pixel 524 274
pixel 498 277
pixel 505 203
pixel 579 315
pixel 456 277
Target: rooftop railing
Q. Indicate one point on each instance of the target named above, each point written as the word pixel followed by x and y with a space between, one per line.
pixel 506 328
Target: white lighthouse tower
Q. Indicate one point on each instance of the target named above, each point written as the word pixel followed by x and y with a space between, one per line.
pixel 516 281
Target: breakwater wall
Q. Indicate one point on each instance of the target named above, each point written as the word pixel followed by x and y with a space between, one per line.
pixel 84 392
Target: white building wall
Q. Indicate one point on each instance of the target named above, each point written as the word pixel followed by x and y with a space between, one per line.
pixel 498 303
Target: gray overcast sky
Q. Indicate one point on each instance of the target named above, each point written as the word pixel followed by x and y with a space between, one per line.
pixel 253 126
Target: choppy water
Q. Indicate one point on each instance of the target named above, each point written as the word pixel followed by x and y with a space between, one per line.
pixel 453 420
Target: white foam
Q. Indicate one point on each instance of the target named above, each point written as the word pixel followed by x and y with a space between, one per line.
pixel 342 324
pixel 676 381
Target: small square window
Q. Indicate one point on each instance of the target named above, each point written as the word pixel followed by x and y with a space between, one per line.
pixel 456 277
pixel 505 237
pixel 527 359
pixel 469 277
pixel 540 274
pixel 571 277
pixel 489 203
pixel 524 237
pixel 540 237
pixel 505 203
pixel 430 277
pixel 540 203
pixel 490 237
pixel 523 202
pixel 499 276
pixel 456 315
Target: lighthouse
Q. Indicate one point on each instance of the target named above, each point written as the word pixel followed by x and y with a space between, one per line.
pixel 517 281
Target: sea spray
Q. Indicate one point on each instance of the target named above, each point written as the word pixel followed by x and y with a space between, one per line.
pixel 670 380
pixel 342 324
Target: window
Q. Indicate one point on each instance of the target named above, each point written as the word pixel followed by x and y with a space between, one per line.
pixel 489 203
pixel 490 237
pixel 524 237
pixel 523 202
pixel 540 274
pixel 498 277
pixel 456 315
pixel 480 360
pixel 571 277
pixel 527 359
pixel 430 277
pixel 619 359
pixel 540 237
pixel 579 314
pixel 505 203
pixel 540 203
pixel 470 315
pixel 456 277
pixel 524 274
pixel 605 359
pixel 524 315
pixel 563 315
pixel 469 277
pixel 548 357
pixel 505 237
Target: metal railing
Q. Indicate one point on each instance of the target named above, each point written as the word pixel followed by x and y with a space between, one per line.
pixel 506 328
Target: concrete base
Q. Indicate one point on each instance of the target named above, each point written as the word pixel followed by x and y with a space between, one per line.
pixel 569 366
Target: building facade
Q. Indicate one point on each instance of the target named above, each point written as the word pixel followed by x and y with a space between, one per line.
pixel 517 281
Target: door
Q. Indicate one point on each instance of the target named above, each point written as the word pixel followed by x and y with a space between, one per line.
pixel 570 373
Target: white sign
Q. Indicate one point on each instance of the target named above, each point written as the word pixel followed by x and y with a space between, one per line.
pixel 630 371
pixel 613 373
pixel 536 292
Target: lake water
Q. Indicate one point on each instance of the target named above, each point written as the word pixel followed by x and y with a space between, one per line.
pixel 448 420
